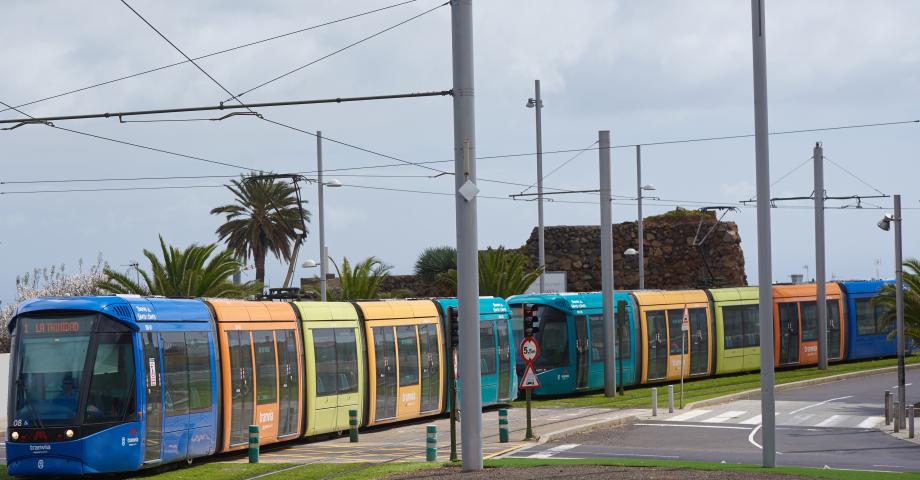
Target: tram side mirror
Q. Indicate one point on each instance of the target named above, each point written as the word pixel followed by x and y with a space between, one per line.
pixel 531 321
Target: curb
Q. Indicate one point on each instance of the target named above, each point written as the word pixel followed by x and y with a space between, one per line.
pixel 749 394
pixel 606 423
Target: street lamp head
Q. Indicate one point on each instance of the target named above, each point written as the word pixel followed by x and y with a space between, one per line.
pixel 630 252
pixel 648 187
pixel 531 103
pixel 885 223
pixel 309 263
pixel 334 183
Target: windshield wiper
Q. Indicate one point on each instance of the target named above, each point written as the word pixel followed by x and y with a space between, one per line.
pixel 28 398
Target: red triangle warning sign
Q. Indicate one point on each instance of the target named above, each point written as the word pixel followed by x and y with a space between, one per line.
pixel 529 380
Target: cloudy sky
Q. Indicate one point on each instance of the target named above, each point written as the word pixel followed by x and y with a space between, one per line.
pixel 648 71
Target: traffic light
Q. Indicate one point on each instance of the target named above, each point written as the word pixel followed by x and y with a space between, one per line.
pixel 453 325
pixel 531 322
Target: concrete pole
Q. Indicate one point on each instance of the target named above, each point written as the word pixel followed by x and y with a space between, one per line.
pixel 610 328
pixel 322 222
pixel 541 246
pixel 899 306
pixel 764 247
pixel 640 234
pixel 821 310
pixel 467 235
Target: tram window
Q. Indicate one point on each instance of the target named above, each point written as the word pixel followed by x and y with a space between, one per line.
pixel 553 339
pixel 752 325
pixel 266 370
pixel 346 352
pixel 733 321
pixel 175 373
pixel 624 345
pixel 869 318
pixel 675 319
pixel 199 371
pixel 597 337
pixel 111 390
pixel 517 324
pixel 408 355
pixel 487 348
pixel 809 322
pixel 324 354
pixel 833 315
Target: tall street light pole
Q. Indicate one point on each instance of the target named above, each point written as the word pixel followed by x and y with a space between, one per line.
pixel 461 14
pixel 821 310
pixel 885 224
pixel 322 222
pixel 537 104
pixel 764 247
pixel 641 233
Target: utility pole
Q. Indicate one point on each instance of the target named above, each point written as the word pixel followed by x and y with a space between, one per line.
pixel 467 235
pixel 764 247
pixel 821 310
pixel 610 328
pixel 640 234
pixel 899 306
pixel 323 269
pixel 537 104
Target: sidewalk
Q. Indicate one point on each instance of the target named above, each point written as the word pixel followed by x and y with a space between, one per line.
pixel 406 442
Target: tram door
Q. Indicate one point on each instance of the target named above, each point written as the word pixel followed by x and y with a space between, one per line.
pixel 504 361
pixel 154 410
pixel 833 330
pixel 431 367
pixel 385 355
pixel 789 333
pixel 240 344
pixel 699 342
pixel 582 351
pixel 656 326
pixel 287 364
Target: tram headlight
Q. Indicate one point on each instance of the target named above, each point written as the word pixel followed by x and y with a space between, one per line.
pixel 14 435
pixel 68 433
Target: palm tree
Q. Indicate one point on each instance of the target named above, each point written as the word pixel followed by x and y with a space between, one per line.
pixel 267 216
pixel 886 298
pixel 360 281
pixel 191 272
pixel 501 273
pixel 432 262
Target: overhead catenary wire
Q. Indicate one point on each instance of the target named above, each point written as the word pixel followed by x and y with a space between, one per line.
pixel 219 52
pixel 860 180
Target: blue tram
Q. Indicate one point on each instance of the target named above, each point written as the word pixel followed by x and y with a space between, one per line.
pixel 571 339
pixel 91 384
pixel 868 337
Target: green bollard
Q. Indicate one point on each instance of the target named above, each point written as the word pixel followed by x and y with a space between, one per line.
pixel 253 444
pixel 503 425
pixel 431 450
pixel 353 426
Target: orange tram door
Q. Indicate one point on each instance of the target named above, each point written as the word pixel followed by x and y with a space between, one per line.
pixel 261 369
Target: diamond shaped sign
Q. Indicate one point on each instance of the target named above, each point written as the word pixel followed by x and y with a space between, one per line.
pixel 468 190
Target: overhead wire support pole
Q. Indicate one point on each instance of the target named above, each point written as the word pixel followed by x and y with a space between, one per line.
pixel 639 223
pixel 323 268
pixel 821 305
pixel 764 246
pixel 541 244
pixel 606 231
pixel 461 13
pixel 222 106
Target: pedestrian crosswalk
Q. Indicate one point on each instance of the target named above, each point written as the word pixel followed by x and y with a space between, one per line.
pixel 796 414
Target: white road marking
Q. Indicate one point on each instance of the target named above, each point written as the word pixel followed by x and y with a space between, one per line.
pixel 724 427
pixel 755 420
pixel 871 422
pixel 800 419
pixel 819 404
pixel 683 417
pixel 554 450
pixel 754 443
pixel 906 385
pixel 725 416
pixel 832 420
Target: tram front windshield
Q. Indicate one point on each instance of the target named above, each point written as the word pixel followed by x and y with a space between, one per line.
pixel 71 369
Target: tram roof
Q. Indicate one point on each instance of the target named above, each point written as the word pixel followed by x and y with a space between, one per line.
pixel 864 286
pixel 130 309
pixel 488 306
pixel 570 301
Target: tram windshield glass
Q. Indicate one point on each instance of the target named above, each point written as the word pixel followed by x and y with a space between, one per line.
pixel 54 384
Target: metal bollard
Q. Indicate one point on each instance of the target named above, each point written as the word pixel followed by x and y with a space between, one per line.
pixel 253 444
pixel 431 443
pixel 897 417
pixel 670 398
pixel 910 421
pixel 887 407
pixel 503 425
pixel 353 426
pixel 654 401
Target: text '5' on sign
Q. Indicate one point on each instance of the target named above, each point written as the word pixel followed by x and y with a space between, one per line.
pixel 529 350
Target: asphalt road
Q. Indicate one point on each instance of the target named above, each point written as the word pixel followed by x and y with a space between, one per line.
pixel 835 425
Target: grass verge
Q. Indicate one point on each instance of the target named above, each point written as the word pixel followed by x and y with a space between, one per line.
pixel 286 471
pixel 706 388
